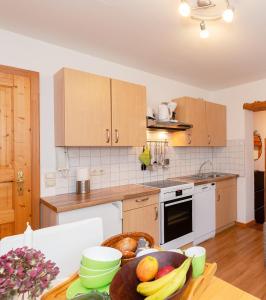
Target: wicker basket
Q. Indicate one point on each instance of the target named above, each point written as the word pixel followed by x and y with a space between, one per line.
pixel 134 235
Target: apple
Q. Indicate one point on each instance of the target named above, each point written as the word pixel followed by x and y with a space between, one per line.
pixel 163 271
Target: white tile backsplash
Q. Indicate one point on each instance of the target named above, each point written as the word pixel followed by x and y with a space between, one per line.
pixel 122 166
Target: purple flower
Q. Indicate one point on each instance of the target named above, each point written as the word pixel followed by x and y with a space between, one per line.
pixel 25 271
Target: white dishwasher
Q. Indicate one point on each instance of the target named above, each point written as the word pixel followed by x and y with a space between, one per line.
pixel 110 213
pixel 204 221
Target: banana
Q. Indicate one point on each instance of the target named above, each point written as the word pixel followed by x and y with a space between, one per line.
pixel 173 285
pixel 149 288
pixel 182 283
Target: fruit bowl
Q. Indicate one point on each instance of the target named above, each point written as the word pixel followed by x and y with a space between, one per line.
pixel 125 282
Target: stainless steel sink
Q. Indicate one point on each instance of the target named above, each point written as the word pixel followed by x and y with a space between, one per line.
pixel 210 175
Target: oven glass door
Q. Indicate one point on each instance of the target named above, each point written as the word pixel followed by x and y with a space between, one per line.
pixel 177 218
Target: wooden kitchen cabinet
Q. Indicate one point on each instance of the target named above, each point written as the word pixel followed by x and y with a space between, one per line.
pixel 142 216
pixel 128 114
pixel 82 109
pixel 216 124
pixel 208 120
pixel 92 110
pixel 226 203
pixel 191 111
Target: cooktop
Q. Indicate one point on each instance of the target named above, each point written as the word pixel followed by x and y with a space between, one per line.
pixel 163 183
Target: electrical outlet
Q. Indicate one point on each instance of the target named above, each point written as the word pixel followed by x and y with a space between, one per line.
pixel 50 179
pixel 97 172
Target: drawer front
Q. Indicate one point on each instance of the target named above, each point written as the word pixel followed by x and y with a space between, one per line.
pixel 140 202
pixel 225 183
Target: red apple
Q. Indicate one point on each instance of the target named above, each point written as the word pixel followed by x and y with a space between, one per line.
pixel 163 271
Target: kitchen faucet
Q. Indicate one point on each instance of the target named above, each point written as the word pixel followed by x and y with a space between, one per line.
pixel 203 164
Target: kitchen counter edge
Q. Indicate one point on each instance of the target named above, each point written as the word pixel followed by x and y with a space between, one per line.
pixel 73 201
pixel 189 179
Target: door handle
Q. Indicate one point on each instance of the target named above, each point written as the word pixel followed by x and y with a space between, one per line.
pixel 20 176
pixel 142 200
pixel 107 135
pixel 156 213
pixel 189 138
pixel 20 182
pixel 116 136
pixel 209 139
pixel 219 197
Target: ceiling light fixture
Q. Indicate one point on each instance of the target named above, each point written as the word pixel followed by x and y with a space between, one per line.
pixel 205 11
pixel 228 15
pixel 204 33
pixel 184 9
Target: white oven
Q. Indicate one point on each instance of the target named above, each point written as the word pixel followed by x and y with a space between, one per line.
pixel 176 213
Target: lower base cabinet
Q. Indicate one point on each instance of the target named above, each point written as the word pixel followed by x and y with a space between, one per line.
pixel 143 217
pixel 110 213
pixel 226 203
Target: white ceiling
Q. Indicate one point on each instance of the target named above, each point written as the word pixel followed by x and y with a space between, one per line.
pixel 150 35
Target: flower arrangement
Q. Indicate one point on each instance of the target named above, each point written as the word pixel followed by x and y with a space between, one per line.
pixel 24 272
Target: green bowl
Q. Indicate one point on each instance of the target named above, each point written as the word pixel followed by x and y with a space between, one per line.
pixel 94 282
pixel 84 271
pixel 100 258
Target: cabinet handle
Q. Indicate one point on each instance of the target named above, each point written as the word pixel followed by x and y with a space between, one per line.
pixel 142 200
pixel 209 139
pixel 219 197
pixel 156 213
pixel 189 139
pixel 107 135
pixel 116 136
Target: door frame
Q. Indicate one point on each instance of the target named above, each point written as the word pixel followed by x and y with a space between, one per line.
pixel 255 106
pixel 35 138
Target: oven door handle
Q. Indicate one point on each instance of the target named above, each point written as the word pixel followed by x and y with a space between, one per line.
pixel 177 202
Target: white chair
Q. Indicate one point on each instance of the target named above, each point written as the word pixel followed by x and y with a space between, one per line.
pixel 62 244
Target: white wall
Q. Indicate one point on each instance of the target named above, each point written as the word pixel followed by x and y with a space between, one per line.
pixel 23 52
pixel 240 126
pixel 260 125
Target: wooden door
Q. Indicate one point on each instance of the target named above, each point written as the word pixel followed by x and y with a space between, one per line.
pixel 143 219
pixel 216 124
pixel 128 114
pixel 15 154
pixel 191 111
pixel 82 109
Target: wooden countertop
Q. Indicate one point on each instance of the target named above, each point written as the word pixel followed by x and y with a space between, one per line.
pixel 219 289
pixel 67 202
pixel 216 290
pixel 203 181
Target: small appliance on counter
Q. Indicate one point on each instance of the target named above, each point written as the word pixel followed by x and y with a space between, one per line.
pixel 83 182
pixel 166 111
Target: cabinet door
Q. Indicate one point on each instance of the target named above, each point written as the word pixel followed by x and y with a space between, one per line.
pixel 226 203
pixel 181 138
pixel 143 219
pixel 128 114
pixel 191 111
pixel 82 109
pixel 216 124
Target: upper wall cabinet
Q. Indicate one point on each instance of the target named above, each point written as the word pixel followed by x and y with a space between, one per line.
pixel 82 109
pixel 191 111
pixel 128 113
pixel 92 110
pixel 216 124
pixel 208 120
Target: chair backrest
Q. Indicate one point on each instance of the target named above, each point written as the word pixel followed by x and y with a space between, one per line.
pixel 62 244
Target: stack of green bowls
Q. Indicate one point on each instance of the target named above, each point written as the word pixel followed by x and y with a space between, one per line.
pixel 99 266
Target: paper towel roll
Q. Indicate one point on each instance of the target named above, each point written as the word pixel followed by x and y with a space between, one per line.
pixel 82 174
